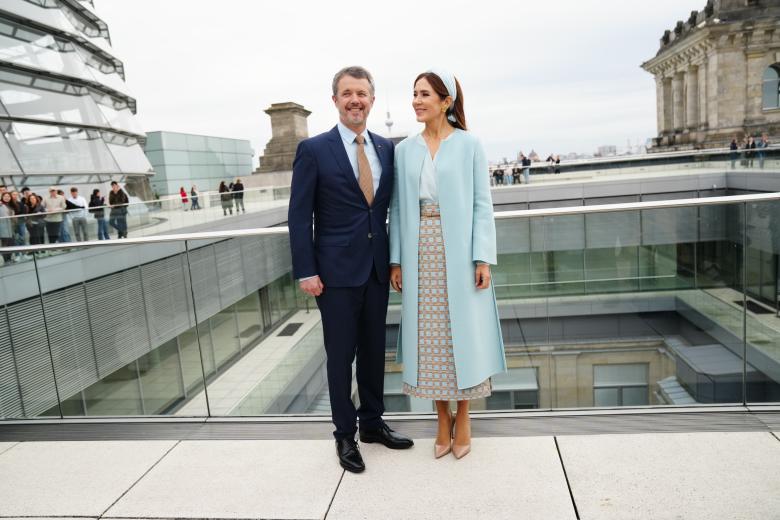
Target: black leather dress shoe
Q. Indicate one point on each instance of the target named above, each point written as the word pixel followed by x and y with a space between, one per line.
pixel 349 455
pixel 384 435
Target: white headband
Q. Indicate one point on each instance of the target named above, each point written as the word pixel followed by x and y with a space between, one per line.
pixel 449 81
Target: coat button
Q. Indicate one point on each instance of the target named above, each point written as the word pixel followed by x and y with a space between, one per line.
pixel 370 235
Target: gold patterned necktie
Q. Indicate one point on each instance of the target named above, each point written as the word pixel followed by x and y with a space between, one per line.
pixel 365 177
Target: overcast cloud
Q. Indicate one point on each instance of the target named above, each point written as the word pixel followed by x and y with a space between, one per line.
pixel 557 76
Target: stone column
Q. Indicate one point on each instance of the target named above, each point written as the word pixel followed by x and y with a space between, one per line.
pixel 660 105
pixel 703 95
pixel 692 101
pixel 668 105
pixel 677 102
pixel 288 128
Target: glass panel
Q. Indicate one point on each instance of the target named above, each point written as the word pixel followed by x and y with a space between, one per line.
pixel 128 153
pixel 117 113
pixel 635 396
pixel 172 141
pixel 762 369
pixel 605 397
pixel 113 317
pixel 39 102
pixel 619 375
pixel 50 17
pixel 45 149
pixel 27 384
pixel 771 94
pixel 43 54
pixel 656 291
pixel 161 379
pixel 224 335
pixel 250 326
pixel 8 162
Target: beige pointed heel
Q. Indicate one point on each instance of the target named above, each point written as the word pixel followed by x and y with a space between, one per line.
pixel 440 450
pixel 459 450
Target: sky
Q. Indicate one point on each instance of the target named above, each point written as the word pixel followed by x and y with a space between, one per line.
pixel 557 76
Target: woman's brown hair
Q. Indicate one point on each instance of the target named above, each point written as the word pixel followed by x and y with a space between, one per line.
pixel 456 109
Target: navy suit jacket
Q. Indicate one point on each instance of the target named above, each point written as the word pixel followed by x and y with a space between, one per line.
pixel 349 237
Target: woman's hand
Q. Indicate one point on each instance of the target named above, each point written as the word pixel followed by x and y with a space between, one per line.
pixel 395 277
pixel 482 276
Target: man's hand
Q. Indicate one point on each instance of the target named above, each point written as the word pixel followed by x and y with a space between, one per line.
pixel 395 277
pixel 482 275
pixel 312 286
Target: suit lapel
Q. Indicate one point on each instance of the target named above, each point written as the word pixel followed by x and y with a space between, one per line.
pixel 337 147
pixel 383 152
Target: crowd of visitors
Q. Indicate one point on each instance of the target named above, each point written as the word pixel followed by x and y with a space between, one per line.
pixel 231 195
pixel 29 218
pixel 747 150
pixel 503 175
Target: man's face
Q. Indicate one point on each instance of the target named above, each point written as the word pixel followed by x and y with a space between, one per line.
pixel 115 188
pixel 353 100
pixel 74 193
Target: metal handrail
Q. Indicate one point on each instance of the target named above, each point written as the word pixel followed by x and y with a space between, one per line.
pixel 499 215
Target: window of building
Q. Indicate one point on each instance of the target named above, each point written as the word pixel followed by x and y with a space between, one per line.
pixel 515 389
pixel 772 87
pixel 620 385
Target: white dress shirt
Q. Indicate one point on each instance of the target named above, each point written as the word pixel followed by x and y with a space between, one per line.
pixel 351 147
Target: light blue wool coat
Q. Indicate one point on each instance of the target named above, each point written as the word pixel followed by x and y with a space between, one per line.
pixel 469 235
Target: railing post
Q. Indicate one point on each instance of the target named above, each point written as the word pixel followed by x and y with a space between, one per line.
pixel 197 328
pixel 48 337
pixel 744 301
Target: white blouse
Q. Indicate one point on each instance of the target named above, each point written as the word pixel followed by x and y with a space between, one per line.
pixel 428 189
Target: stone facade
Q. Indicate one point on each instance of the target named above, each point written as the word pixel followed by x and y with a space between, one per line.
pixel 288 128
pixel 709 75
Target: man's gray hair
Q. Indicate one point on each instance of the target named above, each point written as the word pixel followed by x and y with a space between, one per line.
pixel 355 72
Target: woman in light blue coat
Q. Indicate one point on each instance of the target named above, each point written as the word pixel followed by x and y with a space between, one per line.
pixel 442 242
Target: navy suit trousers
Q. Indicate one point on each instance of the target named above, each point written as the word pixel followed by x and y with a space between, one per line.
pixel 353 322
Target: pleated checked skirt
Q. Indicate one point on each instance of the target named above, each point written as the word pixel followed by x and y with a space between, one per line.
pixel 436 376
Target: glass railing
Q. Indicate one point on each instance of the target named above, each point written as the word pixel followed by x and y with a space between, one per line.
pixel 138 218
pixel 670 303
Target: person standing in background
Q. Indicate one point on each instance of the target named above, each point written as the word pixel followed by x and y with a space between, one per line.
pixel 183 195
pixel 118 201
pixel 194 198
pixel 225 199
pixel 6 224
pixel 54 206
pixel 733 147
pixel 35 222
pixel 77 205
pixel 762 145
pixel 526 163
pixel 238 195
pixel 97 205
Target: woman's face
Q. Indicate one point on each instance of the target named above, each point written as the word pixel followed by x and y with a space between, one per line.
pixel 427 104
pixel 6 198
pixel 33 200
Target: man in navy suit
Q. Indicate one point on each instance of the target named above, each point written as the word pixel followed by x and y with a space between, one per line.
pixel 343 181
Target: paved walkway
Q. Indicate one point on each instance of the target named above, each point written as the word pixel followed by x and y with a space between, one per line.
pixel 690 475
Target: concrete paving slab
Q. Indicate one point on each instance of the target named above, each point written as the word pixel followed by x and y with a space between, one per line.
pixel 501 478
pixel 237 479
pixel 72 478
pixel 5 446
pixel 674 475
